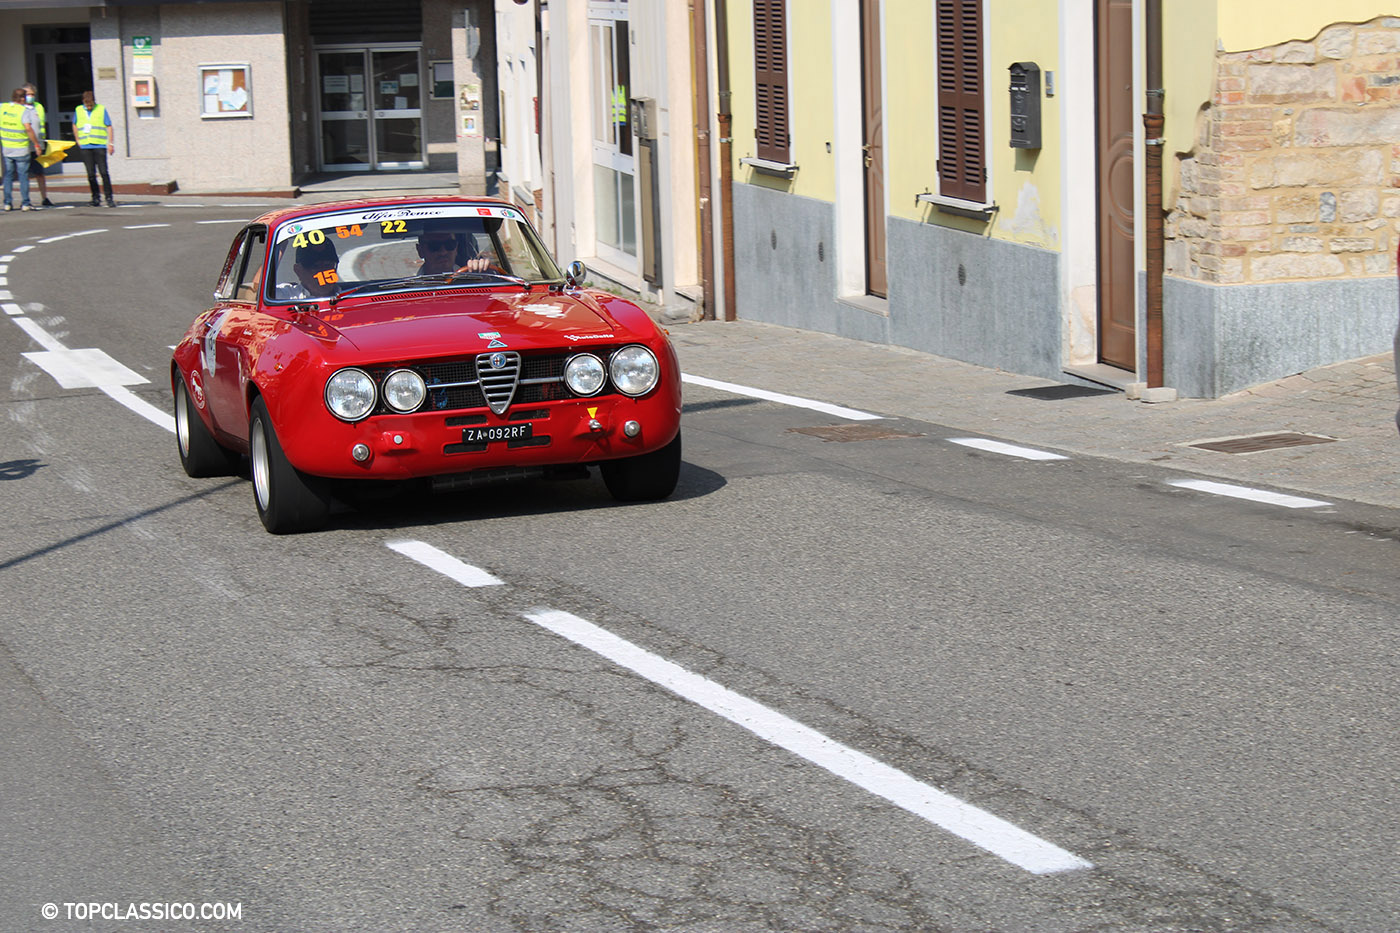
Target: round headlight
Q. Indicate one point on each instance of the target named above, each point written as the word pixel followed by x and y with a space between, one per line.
pixel 584 374
pixel 404 390
pixel 634 370
pixel 350 394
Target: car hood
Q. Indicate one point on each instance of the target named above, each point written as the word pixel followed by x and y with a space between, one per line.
pixel 402 326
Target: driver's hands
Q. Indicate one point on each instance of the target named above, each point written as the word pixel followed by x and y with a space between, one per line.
pixel 477 264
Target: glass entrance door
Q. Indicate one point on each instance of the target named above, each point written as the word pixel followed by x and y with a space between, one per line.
pixel 614 165
pixel 398 114
pixel 371 113
pixel 60 60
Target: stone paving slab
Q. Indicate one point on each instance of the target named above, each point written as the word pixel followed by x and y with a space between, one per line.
pixel 1354 402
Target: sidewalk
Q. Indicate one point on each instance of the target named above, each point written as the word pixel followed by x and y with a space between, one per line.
pixel 1352 403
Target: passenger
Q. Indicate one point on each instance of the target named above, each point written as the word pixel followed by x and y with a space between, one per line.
pixel 315 269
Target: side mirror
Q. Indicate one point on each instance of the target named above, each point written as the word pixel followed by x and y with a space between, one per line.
pixel 575 274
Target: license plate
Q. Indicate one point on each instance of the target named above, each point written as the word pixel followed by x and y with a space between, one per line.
pixel 497 432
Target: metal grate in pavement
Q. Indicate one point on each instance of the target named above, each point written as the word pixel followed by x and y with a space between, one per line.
pixel 1253 443
pixel 851 432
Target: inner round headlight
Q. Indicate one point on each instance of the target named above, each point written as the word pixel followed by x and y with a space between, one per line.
pixel 350 394
pixel 404 390
pixel 584 374
pixel 634 370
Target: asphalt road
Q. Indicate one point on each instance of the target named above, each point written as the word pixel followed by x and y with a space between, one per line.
pixel 883 683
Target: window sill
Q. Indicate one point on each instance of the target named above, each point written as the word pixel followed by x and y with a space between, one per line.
pixel 959 207
pixel 781 169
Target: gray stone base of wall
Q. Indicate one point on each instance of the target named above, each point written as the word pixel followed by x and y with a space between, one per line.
pixel 1219 339
pixel 951 293
pixel 997 304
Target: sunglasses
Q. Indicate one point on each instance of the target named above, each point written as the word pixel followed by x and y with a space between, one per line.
pixel 439 245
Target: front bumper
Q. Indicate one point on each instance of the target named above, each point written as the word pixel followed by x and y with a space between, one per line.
pixel 426 443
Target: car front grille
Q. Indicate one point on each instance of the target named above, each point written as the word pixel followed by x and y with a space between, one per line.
pixel 475 382
pixel 496 376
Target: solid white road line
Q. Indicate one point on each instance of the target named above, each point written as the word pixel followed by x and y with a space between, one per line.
pixel 40 336
pixel 91 368
pixel 444 563
pixel 1245 492
pixel 825 408
pixel 1010 450
pixel 973 824
pixel 156 416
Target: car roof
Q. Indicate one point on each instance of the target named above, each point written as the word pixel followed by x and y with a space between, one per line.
pixel 272 218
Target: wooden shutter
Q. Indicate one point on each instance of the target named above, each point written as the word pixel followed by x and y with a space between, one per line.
pixel 771 79
pixel 962 166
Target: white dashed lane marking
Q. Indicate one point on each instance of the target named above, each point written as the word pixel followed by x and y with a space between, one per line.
pixel 984 830
pixel 826 408
pixel 444 563
pixel 1010 450
pixel 1246 492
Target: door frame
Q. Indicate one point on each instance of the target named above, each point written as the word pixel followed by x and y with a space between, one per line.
pixel 1079 256
pixel 369 114
pixel 872 62
pixel 43 67
pixel 1117 222
pixel 606 154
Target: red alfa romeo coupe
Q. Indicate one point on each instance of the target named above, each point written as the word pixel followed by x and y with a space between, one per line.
pixel 403 338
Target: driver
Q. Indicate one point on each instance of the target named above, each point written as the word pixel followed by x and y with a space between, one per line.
pixel 440 249
pixel 315 269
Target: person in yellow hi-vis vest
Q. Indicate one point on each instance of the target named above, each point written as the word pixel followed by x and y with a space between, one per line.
pixel 18 137
pixel 92 126
pixel 31 97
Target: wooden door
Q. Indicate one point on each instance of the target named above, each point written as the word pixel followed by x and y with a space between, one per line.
pixel 873 145
pixel 1117 291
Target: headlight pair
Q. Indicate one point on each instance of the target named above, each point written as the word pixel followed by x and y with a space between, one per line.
pixel 351 393
pixel 633 369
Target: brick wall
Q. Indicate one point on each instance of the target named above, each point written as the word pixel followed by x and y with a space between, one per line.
pixel 1296 169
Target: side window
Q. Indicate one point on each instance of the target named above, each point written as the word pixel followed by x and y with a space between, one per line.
pixel 250 272
pixel 962 161
pixel 771 80
pixel 233 265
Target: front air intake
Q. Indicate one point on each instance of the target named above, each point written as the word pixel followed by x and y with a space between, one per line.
pixel 498 374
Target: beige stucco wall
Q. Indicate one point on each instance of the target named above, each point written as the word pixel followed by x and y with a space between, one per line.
pixel 1254 24
pixel 172 142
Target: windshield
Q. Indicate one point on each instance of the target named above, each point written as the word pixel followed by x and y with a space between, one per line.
pixel 317 257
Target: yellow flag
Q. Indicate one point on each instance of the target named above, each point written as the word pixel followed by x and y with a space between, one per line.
pixel 56 150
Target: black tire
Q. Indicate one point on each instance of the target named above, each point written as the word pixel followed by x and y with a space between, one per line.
pixel 200 454
pixel 287 499
pixel 646 477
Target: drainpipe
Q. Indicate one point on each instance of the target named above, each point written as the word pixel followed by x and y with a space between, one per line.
pixel 1153 122
pixel 726 161
pixel 700 89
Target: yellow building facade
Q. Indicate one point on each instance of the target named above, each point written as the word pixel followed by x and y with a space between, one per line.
pixel 969 178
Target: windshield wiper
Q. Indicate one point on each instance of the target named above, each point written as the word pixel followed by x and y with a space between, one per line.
pixel 462 275
pixel 388 283
pixel 434 278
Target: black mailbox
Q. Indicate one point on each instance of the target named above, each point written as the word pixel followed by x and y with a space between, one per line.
pixel 1025 105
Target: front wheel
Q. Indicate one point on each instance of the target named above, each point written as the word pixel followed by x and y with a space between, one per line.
pixel 287 499
pixel 200 453
pixel 644 477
